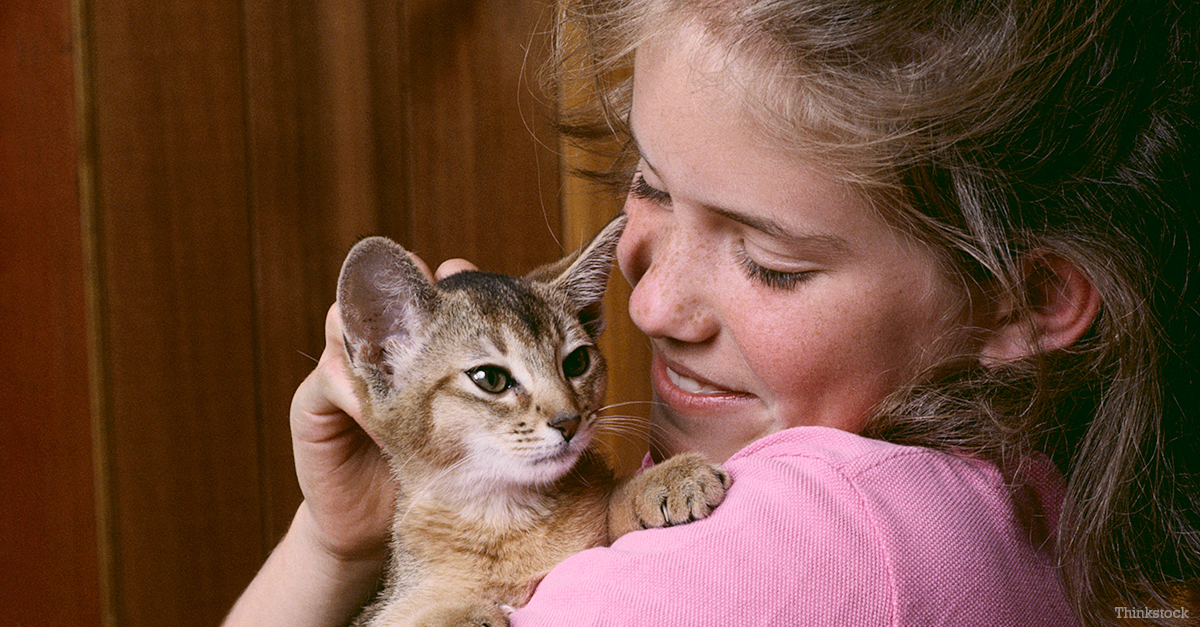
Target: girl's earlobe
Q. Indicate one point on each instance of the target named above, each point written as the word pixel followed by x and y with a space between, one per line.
pixel 1062 305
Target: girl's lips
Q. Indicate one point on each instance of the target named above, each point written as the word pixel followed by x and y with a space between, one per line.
pixel 682 390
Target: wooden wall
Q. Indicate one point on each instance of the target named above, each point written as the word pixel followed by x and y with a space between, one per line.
pixel 179 182
pixel 49 571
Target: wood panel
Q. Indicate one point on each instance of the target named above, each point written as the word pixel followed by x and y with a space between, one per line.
pixel 176 307
pixel 483 165
pixel 47 517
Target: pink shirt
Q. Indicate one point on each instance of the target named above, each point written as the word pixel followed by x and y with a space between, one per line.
pixel 824 527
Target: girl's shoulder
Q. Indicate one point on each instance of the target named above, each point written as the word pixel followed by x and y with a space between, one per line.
pixel 890 471
pixel 823 527
pixel 955 534
pixel 908 486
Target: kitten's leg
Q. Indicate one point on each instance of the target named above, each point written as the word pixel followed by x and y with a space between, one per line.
pixel 681 489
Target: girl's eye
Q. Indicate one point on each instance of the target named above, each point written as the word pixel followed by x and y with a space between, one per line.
pixel 491 379
pixel 642 190
pixel 577 363
pixel 774 279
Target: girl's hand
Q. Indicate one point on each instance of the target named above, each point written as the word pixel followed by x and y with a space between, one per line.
pixel 348 491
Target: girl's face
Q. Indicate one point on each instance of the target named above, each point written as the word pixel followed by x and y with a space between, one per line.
pixel 772 293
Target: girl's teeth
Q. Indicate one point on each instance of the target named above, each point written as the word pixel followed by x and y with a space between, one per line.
pixel 688 384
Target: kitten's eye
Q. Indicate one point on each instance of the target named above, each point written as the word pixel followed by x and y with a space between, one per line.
pixel 577 362
pixel 491 379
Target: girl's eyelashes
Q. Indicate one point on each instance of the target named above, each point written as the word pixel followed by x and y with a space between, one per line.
pixel 774 279
pixel 642 190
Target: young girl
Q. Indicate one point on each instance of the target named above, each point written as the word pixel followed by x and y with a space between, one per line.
pixel 919 274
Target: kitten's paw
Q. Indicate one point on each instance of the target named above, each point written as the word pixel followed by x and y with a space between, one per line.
pixel 466 615
pixel 682 489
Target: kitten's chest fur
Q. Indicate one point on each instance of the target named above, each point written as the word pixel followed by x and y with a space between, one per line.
pixel 500 556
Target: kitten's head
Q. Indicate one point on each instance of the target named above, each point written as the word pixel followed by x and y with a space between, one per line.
pixel 494 375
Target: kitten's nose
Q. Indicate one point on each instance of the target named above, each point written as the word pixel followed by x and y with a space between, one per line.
pixel 566 424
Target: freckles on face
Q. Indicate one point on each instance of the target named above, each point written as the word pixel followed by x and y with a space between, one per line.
pixel 773 293
pixel 830 351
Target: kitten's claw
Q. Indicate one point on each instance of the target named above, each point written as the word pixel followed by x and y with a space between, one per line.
pixel 682 489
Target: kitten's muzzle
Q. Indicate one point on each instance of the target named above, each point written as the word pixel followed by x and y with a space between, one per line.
pixel 566 424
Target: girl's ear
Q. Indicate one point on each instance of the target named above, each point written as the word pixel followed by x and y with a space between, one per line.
pixel 1063 303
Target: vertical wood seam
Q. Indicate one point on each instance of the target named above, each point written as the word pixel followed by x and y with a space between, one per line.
pixel 97 322
pixel 254 260
pixel 404 30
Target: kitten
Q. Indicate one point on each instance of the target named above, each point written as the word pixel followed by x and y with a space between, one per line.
pixel 483 391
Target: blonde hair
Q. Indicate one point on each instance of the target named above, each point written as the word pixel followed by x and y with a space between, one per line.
pixel 996 130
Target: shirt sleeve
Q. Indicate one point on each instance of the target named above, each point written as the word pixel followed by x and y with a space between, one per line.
pixel 793 544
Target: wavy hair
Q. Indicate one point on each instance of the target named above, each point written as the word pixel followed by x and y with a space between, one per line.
pixel 996 131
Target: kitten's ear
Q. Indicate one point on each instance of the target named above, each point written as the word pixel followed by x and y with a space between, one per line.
pixel 385 300
pixel 583 276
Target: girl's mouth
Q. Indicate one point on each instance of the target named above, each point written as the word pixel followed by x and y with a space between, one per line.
pixel 690 385
pixel 685 391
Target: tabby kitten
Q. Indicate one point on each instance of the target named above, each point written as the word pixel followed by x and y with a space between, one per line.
pixel 483 392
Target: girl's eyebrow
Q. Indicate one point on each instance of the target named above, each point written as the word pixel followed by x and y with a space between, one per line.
pixel 829 244
pixel 813 242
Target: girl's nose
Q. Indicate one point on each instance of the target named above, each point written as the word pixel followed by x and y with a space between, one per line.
pixel 665 263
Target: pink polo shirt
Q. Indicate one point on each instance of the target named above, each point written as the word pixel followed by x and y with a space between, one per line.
pixel 824 527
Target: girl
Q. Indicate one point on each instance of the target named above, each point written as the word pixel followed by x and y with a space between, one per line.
pixel 919 273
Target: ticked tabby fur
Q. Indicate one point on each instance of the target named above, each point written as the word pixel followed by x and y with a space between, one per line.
pixel 483 391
